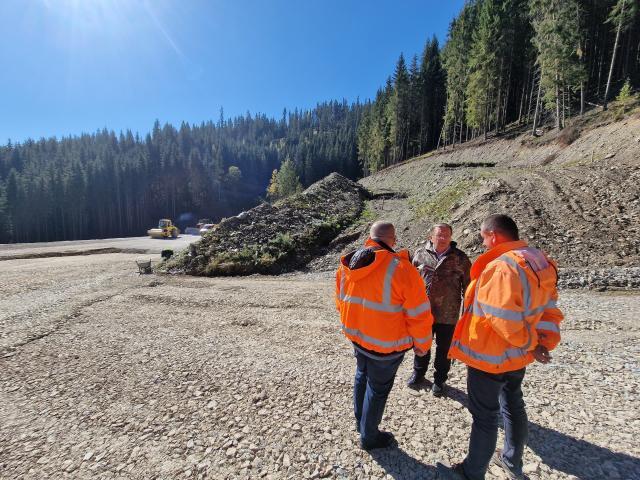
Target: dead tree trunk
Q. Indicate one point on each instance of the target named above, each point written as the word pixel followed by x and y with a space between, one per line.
pixel 613 56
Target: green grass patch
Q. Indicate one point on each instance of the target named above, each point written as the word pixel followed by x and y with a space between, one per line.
pixel 367 215
pixel 438 208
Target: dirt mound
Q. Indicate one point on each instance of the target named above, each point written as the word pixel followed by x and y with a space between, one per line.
pixel 578 200
pixel 277 238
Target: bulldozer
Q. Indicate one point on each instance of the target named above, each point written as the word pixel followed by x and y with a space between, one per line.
pixel 166 229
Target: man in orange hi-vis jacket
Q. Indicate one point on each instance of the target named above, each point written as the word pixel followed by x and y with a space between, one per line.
pixel 384 311
pixel 510 319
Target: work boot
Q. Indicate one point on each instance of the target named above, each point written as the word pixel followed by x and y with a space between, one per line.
pixel 384 440
pixel 437 390
pixel 415 380
pixel 454 472
pixel 499 461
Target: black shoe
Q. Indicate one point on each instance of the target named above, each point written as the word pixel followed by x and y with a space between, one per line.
pixel 437 390
pixel 455 472
pixel 499 461
pixel 415 380
pixel 384 440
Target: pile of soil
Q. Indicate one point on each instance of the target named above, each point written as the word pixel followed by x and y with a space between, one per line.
pixel 278 238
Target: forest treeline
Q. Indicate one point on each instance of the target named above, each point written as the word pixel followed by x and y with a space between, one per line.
pixel 504 63
pixel 108 185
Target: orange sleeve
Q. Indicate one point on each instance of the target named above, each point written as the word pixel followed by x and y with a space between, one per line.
pixel 548 328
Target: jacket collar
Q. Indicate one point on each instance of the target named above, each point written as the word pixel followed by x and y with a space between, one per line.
pixel 429 246
pixel 371 243
pixel 483 260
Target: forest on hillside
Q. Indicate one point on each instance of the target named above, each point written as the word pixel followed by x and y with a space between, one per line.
pixel 106 185
pixel 505 63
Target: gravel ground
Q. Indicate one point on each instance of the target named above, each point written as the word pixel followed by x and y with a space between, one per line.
pixel 108 374
pixel 9 251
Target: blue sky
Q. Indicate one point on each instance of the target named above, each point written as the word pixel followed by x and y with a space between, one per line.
pixel 74 66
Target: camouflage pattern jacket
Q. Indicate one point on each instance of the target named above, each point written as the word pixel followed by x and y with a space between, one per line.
pixel 446 280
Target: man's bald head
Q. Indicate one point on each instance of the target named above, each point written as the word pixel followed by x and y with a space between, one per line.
pixel 383 231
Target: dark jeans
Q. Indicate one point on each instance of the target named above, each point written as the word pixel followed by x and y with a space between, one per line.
pixel 373 382
pixel 489 396
pixel 443 334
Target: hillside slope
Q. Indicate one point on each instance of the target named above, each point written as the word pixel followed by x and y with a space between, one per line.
pixel 577 198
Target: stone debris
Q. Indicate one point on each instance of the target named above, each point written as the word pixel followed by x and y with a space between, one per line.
pixel 276 393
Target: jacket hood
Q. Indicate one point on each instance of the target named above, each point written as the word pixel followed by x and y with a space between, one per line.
pixel 380 256
pixel 544 269
pixel 483 260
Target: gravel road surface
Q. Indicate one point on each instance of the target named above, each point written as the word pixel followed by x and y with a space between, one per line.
pixel 84 247
pixel 108 374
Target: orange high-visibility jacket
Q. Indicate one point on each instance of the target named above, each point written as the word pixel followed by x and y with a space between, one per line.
pixel 509 308
pixel 383 306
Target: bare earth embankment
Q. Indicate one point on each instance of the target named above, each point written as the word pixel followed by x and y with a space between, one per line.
pixel 107 374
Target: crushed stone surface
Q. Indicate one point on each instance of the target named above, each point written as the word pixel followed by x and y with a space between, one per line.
pixel 109 374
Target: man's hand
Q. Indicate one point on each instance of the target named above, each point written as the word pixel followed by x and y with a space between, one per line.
pixel 419 352
pixel 541 354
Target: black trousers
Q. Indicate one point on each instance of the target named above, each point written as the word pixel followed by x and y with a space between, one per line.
pixel 442 334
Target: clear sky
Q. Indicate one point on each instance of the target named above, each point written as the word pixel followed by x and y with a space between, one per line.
pixel 74 66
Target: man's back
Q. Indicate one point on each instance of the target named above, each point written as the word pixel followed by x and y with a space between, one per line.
pixel 383 306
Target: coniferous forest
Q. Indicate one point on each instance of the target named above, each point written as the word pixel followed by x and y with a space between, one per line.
pixel 111 185
pixel 505 64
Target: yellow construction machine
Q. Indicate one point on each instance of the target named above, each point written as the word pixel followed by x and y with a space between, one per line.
pixel 166 229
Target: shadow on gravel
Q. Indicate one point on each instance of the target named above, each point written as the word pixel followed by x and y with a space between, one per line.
pixel 398 464
pixel 568 454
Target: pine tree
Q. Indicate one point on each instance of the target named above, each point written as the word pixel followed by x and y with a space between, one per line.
pixel 484 67
pixel 284 182
pixel 398 111
pixel 624 96
pixel 622 15
pixel 557 41
pixel 432 95
pixel 456 64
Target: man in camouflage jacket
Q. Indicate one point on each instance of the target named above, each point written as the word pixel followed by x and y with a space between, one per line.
pixel 445 270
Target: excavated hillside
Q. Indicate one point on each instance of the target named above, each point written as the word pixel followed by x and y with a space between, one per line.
pixel 575 194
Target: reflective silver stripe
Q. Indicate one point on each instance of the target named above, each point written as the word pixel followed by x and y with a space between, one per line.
pixel 550 326
pixel 380 307
pixel 388 276
pixel 422 340
pixel 477 309
pixel 386 305
pixel 510 354
pixel 526 292
pixel 374 341
pixel 414 312
pixel 502 312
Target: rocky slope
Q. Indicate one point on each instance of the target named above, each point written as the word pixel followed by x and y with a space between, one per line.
pixel 575 195
pixel 275 238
